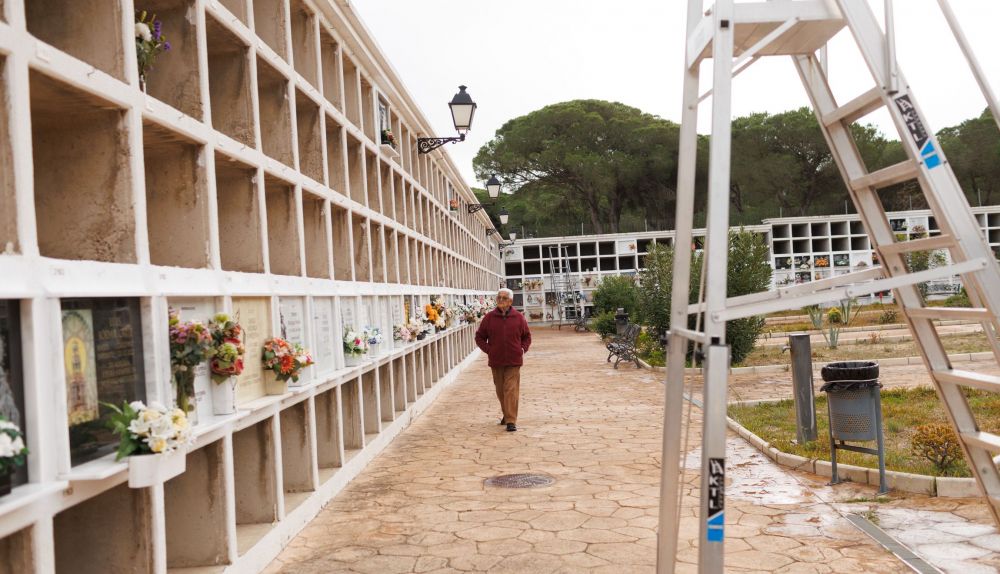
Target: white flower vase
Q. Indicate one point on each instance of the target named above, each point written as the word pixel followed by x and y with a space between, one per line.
pixel 202 398
pixel 353 360
pixel 146 470
pixel 224 397
pixel 375 350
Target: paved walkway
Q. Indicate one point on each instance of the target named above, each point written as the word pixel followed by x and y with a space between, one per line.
pixel 422 506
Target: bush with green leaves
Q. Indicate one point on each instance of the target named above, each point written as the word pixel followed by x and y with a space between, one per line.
pixel 650 350
pixel 614 292
pixel 960 300
pixel 654 285
pixel 604 324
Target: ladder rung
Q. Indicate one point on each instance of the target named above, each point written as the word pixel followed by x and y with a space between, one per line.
pixel 859 107
pixel 988 441
pixel 968 379
pixel 961 313
pixel 900 172
pixel 690 335
pixel 942 241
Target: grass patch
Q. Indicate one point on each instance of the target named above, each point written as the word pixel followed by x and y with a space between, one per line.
pixel 863 350
pixel 902 411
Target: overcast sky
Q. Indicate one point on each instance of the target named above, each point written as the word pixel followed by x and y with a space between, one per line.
pixel 517 56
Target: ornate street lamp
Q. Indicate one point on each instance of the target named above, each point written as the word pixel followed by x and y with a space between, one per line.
pixel 504 215
pixel 462 111
pixel 492 188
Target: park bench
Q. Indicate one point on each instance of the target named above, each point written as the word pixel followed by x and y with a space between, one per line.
pixel 623 348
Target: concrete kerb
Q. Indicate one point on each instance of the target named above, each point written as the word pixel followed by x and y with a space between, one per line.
pixel 944 487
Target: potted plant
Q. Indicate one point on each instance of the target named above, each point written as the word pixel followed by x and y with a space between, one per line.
pixel 286 361
pixel 13 453
pixel 401 333
pixel 154 438
pixel 149 43
pixel 355 347
pixel 374 337
pixel 190 345
pixel 226 363
pixel 388 138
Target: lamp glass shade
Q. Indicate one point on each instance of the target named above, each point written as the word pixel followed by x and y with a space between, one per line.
pixel 493 187
pixel 504 216
pixel 462 110
pixel 513 236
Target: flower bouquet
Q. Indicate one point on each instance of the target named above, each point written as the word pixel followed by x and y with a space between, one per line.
pixel 13 453
pixel 431 317
pixel 226 362
pixel 416 328
pixel 285 360
pixel 374 337
pixel 190 345
pixel 355 347
pixel 149 43
pixel 388 138
pixel 402 333
pixel 150 430
pixel 453 204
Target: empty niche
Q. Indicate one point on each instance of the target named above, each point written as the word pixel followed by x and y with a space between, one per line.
pixel 335 157
pixel 368 109
pixel 174 78
pixel 371 181
pixel 310 137
pixel 316 237
pixel 353 425
pixel 378 261
pixel 341 224
pixel 8 202
pixel 296 459
pixel 304 41
pixel 237 7
pixel 58 22
pixel 370 398
pixel 16 548
pixel 275 113
pixel 385 177
pixel 352 94
pixel 329 446
pixel 83 195
pixel 124 535
pixel 332 75
pixel 362 266
pixel 176 199
pixel 355 169
pixel 229 83
pixel 386 408
pixel 240 234
pixel 269 24
pixel 391 257
pixel 255 483
pixel 194 504
pixel 282 232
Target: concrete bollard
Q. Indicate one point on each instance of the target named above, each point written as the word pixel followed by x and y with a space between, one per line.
pixel 802 387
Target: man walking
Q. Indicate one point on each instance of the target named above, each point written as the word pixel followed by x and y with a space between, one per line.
pixel 504 336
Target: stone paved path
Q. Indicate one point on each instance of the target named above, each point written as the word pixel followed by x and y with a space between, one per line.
pixel 422 506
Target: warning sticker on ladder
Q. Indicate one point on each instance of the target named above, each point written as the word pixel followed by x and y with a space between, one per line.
pixel 917 131
pixel 716 499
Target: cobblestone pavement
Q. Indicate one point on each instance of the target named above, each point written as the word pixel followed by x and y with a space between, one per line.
pixel 421 506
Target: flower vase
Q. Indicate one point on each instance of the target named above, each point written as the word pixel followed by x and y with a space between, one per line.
pixel 375 350
pixel 353 360
pixel 184 387
pixel 275 386
pixel 142 82
pixel 146 470
pixel 6 483
pixel 421 335
pixel 224 396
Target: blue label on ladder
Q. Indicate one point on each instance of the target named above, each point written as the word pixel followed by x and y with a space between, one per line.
pixel 931 159
pixel 716 525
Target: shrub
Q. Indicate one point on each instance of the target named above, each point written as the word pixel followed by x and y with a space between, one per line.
pixel 654 285
pixel 937 443
pixel 614 292
pixel 960 300
pixel 749 272
pixel 604 324
pixel 834 316
pixel 888 316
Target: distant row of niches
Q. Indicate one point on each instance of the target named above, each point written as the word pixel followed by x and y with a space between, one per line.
pixel 288 27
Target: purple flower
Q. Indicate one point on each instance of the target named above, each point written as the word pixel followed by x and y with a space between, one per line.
pixel 166 46
pixel 156 29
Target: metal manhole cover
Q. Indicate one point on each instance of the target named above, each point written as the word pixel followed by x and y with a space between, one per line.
pixel 520 481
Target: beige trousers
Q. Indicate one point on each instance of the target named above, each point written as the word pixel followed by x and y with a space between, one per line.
pixel 507 381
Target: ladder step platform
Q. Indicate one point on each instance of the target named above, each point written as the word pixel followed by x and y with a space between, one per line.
pixel 943 241
pixel 968 379
pixel 898 173
pixel 985 440
pixel 857 108
pixel 960 313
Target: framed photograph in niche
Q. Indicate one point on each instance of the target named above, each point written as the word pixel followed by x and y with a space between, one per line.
pixel 12 374
pixel 102 357
pixel 255 317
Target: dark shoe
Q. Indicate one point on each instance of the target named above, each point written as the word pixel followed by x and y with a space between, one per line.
pixel 511 427
pixel 503 422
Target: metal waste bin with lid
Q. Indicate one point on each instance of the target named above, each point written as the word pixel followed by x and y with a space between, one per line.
pixel 854 406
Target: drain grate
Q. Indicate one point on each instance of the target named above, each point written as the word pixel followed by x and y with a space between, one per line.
pixel 520 481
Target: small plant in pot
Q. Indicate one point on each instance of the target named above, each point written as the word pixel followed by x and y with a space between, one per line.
pixel 355 346
pixel 285 360
pixel 13 453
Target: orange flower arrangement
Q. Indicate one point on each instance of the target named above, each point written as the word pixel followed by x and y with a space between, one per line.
pixel 432 313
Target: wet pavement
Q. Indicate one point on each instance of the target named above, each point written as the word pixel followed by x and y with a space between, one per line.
pixel 422 505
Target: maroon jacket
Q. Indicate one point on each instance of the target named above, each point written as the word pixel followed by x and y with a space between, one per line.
pixel 504 338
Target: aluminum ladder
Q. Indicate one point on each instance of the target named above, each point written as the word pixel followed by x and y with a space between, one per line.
pixel 735 36
pixel 561 279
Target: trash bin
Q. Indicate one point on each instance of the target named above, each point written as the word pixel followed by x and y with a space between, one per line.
pixel 855 410
pixel 621 321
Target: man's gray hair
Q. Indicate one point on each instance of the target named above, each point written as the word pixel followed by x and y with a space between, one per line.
pixel 507 292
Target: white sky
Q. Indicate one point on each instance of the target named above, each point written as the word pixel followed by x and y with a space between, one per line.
pixel 517 56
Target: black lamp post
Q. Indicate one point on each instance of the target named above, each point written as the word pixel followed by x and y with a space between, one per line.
pixel 462 111
pixel 492 188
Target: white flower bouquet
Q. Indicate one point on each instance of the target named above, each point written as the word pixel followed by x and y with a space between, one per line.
pixel 355 343
pixel 152 429
pixel 13 452
pixel 373 335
